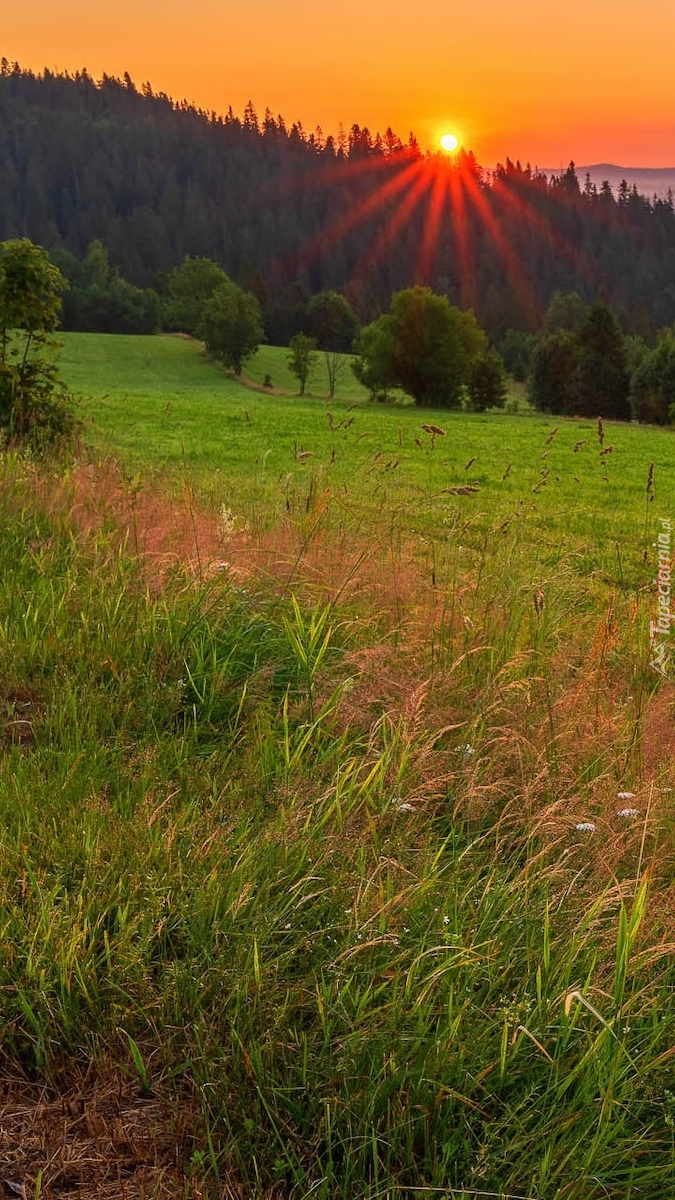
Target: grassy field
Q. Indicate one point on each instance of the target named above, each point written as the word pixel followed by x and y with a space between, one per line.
pixel 242 446
pixel 272 361
pixel 336 803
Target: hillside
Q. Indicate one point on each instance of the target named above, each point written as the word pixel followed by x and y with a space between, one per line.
pixel 336 839
pixel 289 214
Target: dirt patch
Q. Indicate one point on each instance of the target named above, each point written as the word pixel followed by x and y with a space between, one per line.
pixel 96 1137
pixel 254 386
pixel 19 706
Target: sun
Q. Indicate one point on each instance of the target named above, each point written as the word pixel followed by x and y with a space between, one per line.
pixel 449 142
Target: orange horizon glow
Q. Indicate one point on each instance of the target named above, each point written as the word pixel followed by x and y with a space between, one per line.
pixel 544 85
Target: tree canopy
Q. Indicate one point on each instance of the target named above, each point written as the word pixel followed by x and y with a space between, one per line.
pixel 99 300
pixel 583 372
pixel 334 324
pixel 302 358
pixel 231 325
pixel 653 383
pixel 34 404
pixel 190 286
pixel 424 345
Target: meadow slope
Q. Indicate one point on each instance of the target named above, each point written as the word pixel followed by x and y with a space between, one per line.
pixel 336 788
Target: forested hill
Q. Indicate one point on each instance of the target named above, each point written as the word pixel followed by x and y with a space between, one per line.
pixel 288 214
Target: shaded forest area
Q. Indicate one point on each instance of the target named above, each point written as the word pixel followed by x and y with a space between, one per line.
pixel 289 214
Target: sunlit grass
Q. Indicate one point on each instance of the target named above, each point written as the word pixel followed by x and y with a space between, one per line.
pixel 159 403
pixel 301 826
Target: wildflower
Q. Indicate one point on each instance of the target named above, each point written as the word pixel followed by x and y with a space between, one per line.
pixel 405 808
pixel 467 751
pixel 627 813
pixel 226 522
pixel 446 920
pixel 625 795
pixel 585 827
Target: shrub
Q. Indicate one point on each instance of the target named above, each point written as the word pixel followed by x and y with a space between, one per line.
pixel 35 406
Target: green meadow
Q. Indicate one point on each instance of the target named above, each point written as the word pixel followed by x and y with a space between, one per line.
pixel 159 403
pixel 348 831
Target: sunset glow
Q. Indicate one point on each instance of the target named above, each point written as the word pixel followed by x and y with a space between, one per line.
pixel 537 84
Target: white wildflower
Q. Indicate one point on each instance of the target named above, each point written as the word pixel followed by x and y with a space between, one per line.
pixel 585 827
pixel 405 808
pixel 664 791
pixel 467 751
pixel 625 795
pixel 627 813
pixel 226 522
pixel 446 920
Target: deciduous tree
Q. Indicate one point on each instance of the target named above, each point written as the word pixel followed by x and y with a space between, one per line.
pixel 190 287
pixel 487 382
pixel 424 346
pixel 434 346
pixel 34 403
pixel 653 383
pixel 231 325
pixel 374 364
pixel 334 324
pixel 302 358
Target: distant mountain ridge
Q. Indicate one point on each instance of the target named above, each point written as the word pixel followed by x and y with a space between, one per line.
pixel 649 181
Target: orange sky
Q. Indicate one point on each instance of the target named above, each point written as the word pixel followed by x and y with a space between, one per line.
pixel 592 80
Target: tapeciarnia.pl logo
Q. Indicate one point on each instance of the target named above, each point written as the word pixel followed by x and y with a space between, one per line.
pixel 660 629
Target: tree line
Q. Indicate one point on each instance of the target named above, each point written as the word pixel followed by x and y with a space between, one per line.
pixel 580 364
pixel 289 214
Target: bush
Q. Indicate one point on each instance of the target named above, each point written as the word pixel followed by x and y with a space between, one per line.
pixel 35 406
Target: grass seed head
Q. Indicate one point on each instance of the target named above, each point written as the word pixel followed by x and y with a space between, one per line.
pixel 650 480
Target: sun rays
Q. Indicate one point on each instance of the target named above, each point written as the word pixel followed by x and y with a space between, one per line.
pixel 450 205
pixel 443 195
